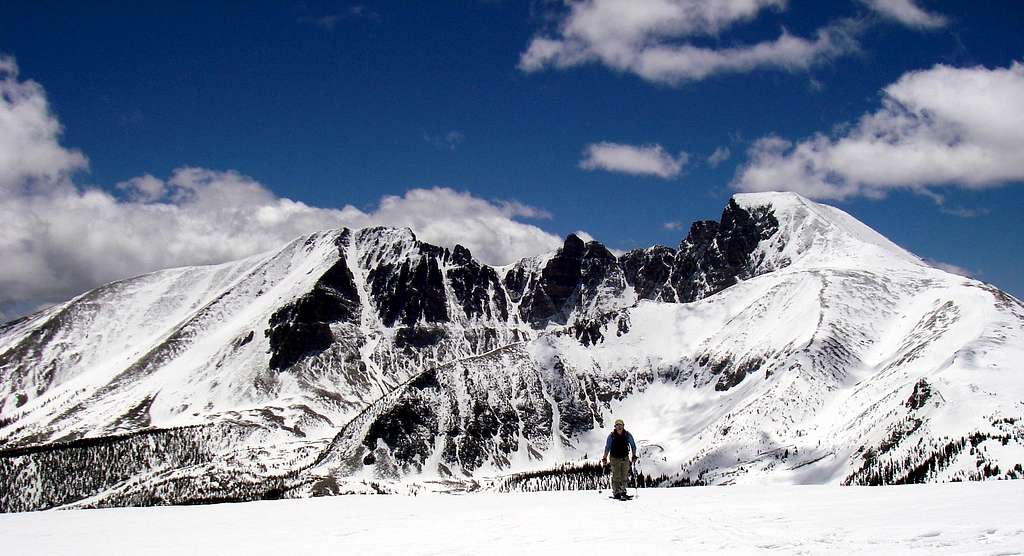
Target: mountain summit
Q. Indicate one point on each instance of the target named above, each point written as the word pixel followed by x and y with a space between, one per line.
pixel 785 342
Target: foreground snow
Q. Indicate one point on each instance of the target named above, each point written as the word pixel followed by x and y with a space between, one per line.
pixel 953 518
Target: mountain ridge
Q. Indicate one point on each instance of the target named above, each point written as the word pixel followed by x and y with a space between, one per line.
pixel 793 315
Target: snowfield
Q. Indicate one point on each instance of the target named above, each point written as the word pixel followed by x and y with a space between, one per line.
pixel 953 518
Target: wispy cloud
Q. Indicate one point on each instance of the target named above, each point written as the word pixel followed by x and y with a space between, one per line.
pixel 650 160
pixel 330 20
pixel 327 22
pixel 586 237
pixel 360 11
pixel 946 126
pixel 908 13
pixel 448 141
pixel 61 238
pixel 952 268
pixel 720 155
pixel 650 38
pixel 673 226
pixel 965 212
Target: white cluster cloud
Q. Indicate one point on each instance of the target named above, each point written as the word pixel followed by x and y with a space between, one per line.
pixel 61 239
pixel 649 39
pixel 907 13
pixel 943 126
pixel 29 151
pixel 650 160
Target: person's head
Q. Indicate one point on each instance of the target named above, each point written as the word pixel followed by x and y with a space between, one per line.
pixel 619 425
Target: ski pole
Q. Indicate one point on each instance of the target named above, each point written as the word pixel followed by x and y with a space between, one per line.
pixel 601 478
pixel 636 478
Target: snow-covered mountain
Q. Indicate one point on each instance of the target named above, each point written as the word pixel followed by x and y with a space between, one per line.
pixel 786 342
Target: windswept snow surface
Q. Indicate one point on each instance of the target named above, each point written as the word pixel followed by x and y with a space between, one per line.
pixel 953 518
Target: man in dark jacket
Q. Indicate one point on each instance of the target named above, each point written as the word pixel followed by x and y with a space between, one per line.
pixel 618 446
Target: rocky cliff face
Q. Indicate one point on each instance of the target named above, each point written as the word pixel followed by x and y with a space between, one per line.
pixel 302 328
pixel 715 255
pixel 585 280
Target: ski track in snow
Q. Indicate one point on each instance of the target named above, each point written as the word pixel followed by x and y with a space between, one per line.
pixel 953 518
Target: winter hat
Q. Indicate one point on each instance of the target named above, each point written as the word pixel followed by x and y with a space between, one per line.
pixel 619 422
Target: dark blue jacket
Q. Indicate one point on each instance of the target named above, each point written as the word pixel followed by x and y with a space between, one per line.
pixel 617 453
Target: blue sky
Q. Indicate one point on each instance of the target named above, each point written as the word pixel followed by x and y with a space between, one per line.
pixel 185 133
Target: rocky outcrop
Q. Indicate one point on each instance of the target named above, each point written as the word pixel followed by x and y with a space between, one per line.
pixel 412 290
pixel 715 254
pixel 545 296
pixel 648 272
pixel 303 327
pixel 576 282
pixel 476 287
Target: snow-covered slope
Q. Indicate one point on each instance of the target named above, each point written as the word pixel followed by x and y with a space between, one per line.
pixel 954 519
pixel 786 342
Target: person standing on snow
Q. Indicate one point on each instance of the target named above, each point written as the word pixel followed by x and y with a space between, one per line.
pixel 618 446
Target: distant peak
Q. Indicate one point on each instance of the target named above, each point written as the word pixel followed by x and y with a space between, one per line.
pixel 573 244
pixel 389 233
pixel 778 199
pixel 824 233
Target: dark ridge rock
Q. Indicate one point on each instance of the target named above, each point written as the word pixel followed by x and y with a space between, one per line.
pixel 575 412
pixel 412 291
pixel 4 327
pixel 648 272
pixel 483 339
pixel 408 429
pixel 558 280
pixel 137 417
pixel 425 380
pixel 419 336
pixel 302 328
pixel 563 272
pixel 588 330
pixel 569 279
pixel 461 256
pixel 481 426
pixel 245 339
pixel 623 325
pixel 535 417
pixel 509 421
pixel 475 285
pixel 920 396
pixel 597 266
pixel 715 255
pixel 516 282
pixel 733 375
